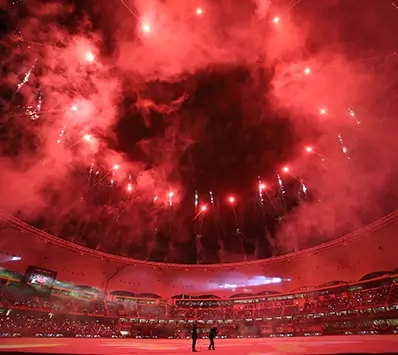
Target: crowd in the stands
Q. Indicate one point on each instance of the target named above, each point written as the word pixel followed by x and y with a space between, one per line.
pixel 370 307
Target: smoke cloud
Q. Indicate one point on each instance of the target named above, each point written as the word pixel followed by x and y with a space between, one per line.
pixel 114 115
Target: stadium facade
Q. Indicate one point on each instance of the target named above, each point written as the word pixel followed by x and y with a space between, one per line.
pixel 349 258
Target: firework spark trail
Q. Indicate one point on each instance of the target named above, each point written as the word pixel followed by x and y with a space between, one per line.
pixel 294 5
pixel 261 187
pixel 119 211
pixel 61 135
pixel 211 198
pixel 90 173
pixel 25 79
pixel 344 148
pixel 282 189
pixel 354 116
pixel 38 105
pixel 303 187
pixel 128 8
pixel 270 201
pixel 282 192
pixel 196 199
pixel 110 172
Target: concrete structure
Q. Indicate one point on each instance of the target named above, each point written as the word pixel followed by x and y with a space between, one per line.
pixel 370 249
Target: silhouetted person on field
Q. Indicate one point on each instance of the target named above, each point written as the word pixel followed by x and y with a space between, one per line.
pixel 212 335
pixel 194 337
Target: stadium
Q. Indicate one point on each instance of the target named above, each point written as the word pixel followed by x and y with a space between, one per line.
pixel 184 176
pixel 345 287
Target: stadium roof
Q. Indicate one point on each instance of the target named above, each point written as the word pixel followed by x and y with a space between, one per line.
pixel 347 258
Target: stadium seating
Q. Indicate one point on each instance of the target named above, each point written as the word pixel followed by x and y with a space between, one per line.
pixel 370 306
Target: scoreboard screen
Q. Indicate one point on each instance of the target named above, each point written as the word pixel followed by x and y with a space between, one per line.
pixel 40 277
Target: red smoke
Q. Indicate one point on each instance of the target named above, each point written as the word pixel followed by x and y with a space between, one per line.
pixel 170 40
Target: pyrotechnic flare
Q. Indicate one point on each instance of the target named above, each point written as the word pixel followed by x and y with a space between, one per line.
pixel 322 111
pixel 146 28
pixel 276 19
pixel 171 194
pixel 199 11
pixel 307 71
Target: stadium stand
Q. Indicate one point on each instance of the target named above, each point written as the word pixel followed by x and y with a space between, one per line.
pixel 136 298
pixel 369 306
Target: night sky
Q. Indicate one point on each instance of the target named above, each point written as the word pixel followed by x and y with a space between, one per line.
pixel 216 105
